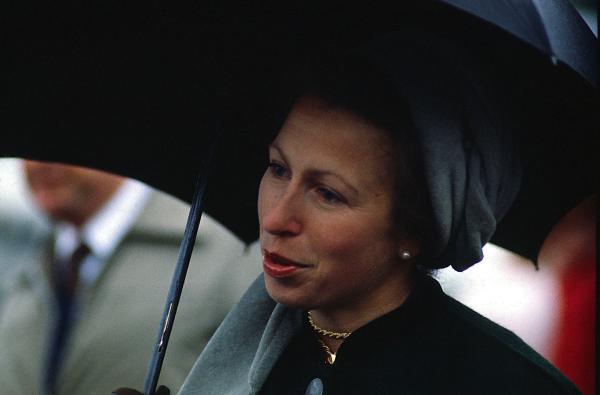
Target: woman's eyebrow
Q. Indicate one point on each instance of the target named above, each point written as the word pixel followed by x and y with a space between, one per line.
pixel 318 173
pixel 279 151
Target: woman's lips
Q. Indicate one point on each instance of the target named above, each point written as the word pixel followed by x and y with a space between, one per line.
pixel 278 266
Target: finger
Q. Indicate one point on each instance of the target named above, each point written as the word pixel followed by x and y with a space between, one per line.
pixel 126 391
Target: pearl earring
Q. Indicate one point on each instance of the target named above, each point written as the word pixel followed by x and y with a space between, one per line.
pixel 405 255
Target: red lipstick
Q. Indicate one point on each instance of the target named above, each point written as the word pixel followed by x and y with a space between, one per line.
pixel 279 267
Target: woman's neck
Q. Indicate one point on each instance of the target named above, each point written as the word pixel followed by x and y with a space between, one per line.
pixel 350 318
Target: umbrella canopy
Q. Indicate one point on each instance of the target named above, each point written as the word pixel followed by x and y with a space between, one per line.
pixel 138 88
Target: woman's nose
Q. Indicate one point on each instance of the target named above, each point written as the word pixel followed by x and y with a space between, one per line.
pixel 283 216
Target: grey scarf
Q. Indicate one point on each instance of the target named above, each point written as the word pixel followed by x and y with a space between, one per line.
pixel 470 155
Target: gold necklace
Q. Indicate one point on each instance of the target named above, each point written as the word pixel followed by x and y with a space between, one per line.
pixel 330 358
pixel 325 332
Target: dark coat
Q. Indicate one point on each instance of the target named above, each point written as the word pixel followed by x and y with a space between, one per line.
pixel 432 344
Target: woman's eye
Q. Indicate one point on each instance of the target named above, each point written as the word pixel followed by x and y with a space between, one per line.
pixel 277 169
pixel 329 196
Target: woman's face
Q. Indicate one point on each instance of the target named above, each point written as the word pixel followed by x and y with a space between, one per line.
pixel 325 213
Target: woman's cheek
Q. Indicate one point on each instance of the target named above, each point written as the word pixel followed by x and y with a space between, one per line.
pixel 337 241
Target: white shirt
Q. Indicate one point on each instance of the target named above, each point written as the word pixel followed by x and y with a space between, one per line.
pixel 104 231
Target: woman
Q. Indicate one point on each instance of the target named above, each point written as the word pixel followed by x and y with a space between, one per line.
pixel 362 197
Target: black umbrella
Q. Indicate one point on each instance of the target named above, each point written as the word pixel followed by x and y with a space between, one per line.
pixel 141 88
pixel 136 88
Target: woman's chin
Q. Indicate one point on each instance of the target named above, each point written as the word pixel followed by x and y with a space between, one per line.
pixel 285 293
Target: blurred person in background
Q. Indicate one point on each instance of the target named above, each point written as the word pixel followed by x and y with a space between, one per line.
pixel 81 314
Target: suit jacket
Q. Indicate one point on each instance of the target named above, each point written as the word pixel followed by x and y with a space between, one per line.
pixel 431 344
pixel 112 339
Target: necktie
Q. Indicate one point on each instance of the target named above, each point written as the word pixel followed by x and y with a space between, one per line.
pixel 72 269
pixel 66 279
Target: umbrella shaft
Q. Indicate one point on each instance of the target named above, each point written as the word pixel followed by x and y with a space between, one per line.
pixel 177 282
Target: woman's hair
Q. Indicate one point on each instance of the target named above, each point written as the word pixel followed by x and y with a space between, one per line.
pixel 358 87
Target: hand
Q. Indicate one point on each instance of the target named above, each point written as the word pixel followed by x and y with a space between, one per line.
pixel 161 390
